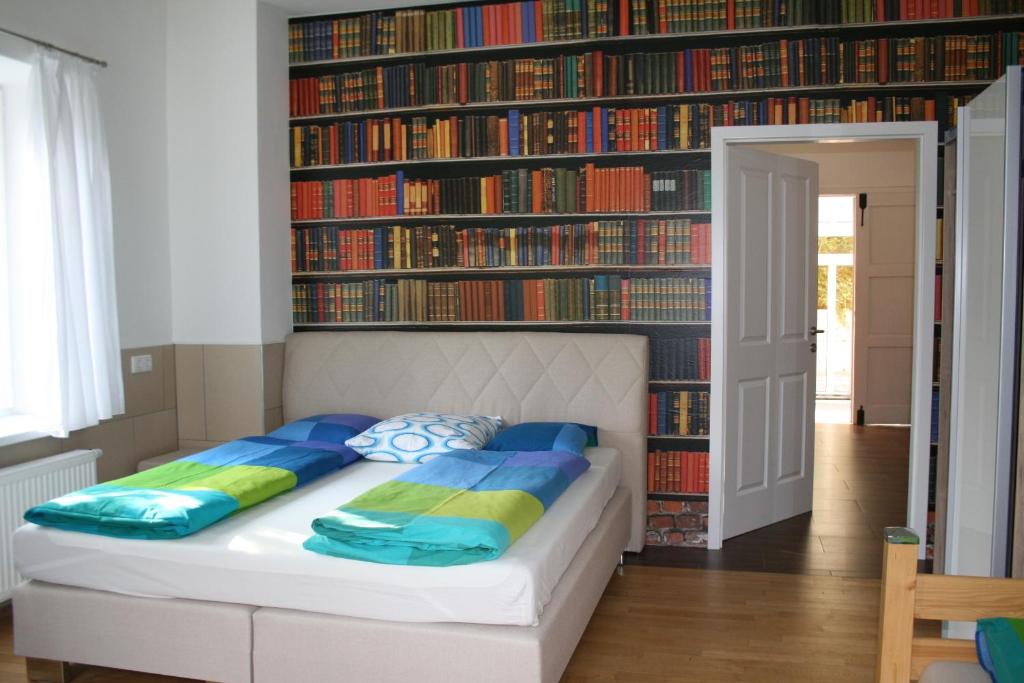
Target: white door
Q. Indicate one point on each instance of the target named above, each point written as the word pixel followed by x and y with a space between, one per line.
pixel 883 337
pixel 771 235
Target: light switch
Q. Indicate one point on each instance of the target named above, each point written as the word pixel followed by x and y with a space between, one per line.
pixel 142 364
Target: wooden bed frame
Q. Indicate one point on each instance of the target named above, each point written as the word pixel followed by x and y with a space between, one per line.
pixel 907 595
pixel 596 379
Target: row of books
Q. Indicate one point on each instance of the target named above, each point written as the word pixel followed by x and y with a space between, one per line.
pixel 396 247
pixel 680 358
pixel 539 191
pixel 598 298
pixel 781 64
pixel 534 21
pixel 678 413
pixel 591 131
pixel 677 471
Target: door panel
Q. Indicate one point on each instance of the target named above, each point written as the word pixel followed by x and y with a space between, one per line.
pixel 883 338
pixel 771 258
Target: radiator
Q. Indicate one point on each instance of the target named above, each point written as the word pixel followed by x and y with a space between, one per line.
pixel 31 483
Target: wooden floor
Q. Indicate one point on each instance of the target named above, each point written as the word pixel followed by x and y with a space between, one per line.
pixel 860 486
pixel 660 624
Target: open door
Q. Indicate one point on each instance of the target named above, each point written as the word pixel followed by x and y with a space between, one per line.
pixel 883 355
pixel 771 216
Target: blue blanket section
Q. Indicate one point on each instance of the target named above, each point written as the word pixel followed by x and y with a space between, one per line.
pixel 181 497
pixel 461 507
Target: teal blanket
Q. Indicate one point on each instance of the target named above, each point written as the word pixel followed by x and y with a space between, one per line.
pixel 462 507
pixel 1000 644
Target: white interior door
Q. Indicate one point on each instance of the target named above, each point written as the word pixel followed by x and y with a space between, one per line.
pixel 985 319
pixel 771 235
pixel 883 338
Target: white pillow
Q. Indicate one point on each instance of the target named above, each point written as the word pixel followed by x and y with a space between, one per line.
pixel 419 437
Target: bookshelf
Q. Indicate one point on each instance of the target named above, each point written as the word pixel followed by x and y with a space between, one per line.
pixel 357 117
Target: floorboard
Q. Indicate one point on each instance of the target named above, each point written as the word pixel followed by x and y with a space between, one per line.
pixel 860 487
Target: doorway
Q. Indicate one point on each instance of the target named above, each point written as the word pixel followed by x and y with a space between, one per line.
pixel 835 286
pixel 906 352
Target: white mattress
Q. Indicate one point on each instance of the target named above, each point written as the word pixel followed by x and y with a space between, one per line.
pixel 256 558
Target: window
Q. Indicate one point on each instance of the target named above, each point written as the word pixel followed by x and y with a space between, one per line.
pixel 60 366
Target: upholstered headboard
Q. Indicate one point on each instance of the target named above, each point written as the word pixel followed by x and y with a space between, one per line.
pixel 598 379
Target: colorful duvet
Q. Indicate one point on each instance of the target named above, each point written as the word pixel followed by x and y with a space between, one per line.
pixel 462 507
pixel 181 497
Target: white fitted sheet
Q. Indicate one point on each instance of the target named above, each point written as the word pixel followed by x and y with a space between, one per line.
pixel 256 558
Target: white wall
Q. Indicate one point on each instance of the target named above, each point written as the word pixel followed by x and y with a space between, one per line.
pixel 274 179
pixel 212 161
pixel 129 35
pixel 227 122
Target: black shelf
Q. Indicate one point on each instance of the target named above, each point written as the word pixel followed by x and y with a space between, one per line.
pixel 656 41
pixel 472 325
pixel 660 270
pixel 492 217
pixel 923 87
pixel 530 159
pixel 686 497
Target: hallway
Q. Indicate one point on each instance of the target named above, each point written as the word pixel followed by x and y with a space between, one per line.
pixel 860 486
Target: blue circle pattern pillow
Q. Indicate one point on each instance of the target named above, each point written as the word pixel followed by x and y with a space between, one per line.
pixel 419 437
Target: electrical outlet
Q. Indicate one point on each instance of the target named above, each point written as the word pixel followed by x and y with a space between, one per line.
pixel 142 364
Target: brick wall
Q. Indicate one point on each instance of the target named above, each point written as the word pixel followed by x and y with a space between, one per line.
pixel 677 522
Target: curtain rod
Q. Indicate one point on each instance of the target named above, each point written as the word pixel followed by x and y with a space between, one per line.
pixel 86 58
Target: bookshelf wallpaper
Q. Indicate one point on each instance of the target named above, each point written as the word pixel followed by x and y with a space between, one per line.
pixel 544 164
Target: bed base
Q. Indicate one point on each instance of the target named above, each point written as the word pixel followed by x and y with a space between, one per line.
pixel 231 643
pixel 186 638
pixel 299 646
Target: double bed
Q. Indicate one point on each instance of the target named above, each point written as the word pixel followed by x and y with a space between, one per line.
pixel 242 601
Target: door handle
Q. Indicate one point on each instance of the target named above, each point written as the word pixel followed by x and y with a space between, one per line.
pixel 815 330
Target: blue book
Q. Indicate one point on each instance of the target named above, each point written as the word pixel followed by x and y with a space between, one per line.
pixel 531 22
pixel 479 25
pixel 604 129
pixel 378 247
pixel 362 137
pixel 661 413
pixel 513 132
pixel 662 127
pixel 525 26
pixel 399 193
pixel 469 26
pixel 589 132
pixel 707 298
pixel 688 70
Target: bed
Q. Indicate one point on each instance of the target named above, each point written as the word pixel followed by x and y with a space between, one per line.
pixel 240 602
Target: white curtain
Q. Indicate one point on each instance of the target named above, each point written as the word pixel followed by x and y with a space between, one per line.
pixel 64 328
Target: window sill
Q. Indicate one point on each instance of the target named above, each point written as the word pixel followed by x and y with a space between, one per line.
pixel 17 428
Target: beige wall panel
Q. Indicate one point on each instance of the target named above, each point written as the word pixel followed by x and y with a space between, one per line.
pixel 191 400
pixel 234 391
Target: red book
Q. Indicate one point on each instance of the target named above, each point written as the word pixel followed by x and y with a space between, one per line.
pixel 488 25
pixel 517 23
pixel 730 14
pixel 650 471
pixel 652 414
pixel 538 21
pixel 540 300
pixel 624 17
pixel 598 83
pixel 883 60
pixel 459 29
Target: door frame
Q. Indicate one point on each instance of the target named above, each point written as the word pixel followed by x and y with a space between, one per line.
pixel 925 134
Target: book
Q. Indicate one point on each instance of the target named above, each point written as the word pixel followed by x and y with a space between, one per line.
pixel 594 299
pixel 531 21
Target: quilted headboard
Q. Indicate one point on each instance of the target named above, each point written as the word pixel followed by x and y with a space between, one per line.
pixel 598 379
